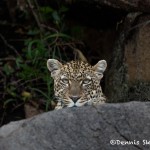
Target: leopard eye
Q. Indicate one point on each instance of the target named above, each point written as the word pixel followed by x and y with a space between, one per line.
pixel 86 81
pixel 65 80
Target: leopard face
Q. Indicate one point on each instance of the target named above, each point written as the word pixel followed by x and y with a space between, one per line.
pixel 77 83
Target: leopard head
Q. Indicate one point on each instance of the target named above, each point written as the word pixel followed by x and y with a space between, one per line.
pixel 76 83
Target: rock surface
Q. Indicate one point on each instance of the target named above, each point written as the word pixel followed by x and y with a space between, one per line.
pixel 129 76
pixel 127 5
pixel 84 128
pixel 137 53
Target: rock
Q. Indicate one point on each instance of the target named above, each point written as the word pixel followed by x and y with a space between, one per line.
pixel 127 5
pixel 83 128
pixel 129 75
pixel 137 53
pixel 137 59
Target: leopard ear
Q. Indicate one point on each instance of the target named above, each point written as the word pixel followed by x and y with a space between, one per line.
pixel 99 68
pixel 53 66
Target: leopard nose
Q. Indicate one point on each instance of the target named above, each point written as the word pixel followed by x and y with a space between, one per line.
pixel 74 98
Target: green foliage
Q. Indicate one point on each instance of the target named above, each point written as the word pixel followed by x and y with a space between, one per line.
pixel 33 69
pixel 27 76
pixel 8 70
pixel 56 16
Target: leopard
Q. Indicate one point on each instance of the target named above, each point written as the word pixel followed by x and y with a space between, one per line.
pixel 77 83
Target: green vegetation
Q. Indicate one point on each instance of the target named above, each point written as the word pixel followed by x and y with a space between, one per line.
pixel 26 78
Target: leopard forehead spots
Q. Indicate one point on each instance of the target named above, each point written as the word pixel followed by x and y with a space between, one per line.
pixel 77 83
pixel 76 69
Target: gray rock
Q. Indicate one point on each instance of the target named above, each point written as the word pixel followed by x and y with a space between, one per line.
pixel 84 128
pixel 127 5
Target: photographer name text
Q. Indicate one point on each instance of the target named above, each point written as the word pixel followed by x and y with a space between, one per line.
pixel 133 142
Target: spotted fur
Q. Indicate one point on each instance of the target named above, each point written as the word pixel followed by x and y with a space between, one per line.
pixel 77 83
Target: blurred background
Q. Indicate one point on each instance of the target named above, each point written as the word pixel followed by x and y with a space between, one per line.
pixel 32 31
